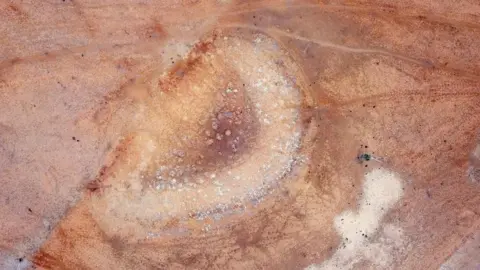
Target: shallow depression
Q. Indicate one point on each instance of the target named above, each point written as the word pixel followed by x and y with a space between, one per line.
pixel 230 147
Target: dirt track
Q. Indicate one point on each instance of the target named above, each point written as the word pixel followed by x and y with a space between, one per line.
pixel 240 135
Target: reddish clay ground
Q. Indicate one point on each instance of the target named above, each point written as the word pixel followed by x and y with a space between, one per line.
pixel 230 134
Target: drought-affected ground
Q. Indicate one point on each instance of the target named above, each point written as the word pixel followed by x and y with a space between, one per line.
pixel 240 134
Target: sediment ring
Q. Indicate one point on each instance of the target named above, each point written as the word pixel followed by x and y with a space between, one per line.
pixel 220 131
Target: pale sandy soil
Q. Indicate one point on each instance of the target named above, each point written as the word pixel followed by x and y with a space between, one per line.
pixel 230 134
